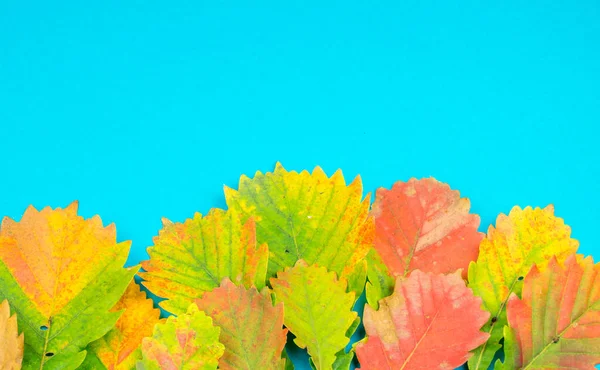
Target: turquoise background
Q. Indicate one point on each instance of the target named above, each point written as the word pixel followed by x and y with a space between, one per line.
pixel 144 109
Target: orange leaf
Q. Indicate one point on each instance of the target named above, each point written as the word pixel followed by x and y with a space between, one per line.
pixel 120 347
pixel 11 343
pixel 251 327
pixel 429 322
pixel 422 224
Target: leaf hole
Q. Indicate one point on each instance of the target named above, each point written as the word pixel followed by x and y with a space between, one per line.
pixel 287 251
pixel 555 339
pixel 494 319
pixel 43 328
pixel 49 354
pixel 521 278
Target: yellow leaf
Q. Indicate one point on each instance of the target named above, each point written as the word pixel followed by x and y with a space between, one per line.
pixel 523 238
pixel 11 343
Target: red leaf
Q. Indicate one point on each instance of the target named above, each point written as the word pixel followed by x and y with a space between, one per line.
pixel 429 322
pixel 422 224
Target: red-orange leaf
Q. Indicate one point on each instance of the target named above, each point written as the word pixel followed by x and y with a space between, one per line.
pixel 422 224
pixel 556 325
pixel 429 322
pixel 251 326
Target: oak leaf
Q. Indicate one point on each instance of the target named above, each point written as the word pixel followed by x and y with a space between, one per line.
pixel 186 342
pixel 251 326
pixel 431 321
pixel 308 216
pixel 62 274
pixel 120 348
pixel 11 343
pixel 318 311
pixel 523 238
pixel 191 258
pixel 556 324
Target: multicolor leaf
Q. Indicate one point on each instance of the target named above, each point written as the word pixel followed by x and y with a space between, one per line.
pixel 62 274
pixel 191 258
pixel 431 321
pixel 308 216
pixel 556 325
pixel 120 349
pixel 11 343
pixel 187 342
pixel 251 327
pixel 422 224
pixel 523 238
pixel 318 311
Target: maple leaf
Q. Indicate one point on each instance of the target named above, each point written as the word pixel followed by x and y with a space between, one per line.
pixel 11 343
pixel 251 327
pixel 412 328
pixel 556 323
pixel 191 258
pixel 308 216
pixel 318 311
pixel 120 349
pixel 523 238
pixel 62 274
pixel 186 342
pixel 422 224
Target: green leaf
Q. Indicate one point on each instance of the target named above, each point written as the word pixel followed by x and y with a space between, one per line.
pixel 308 216
pixel 191 258
pixel 380 283
pixel 318 311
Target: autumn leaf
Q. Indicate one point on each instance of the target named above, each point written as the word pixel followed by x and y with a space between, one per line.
pixel 318 311
pixel 422 224
pixel 11 343
pixel 523 238
pixel 556 323
pixel 308 216
pixel 431 321
pixel 251 327
pixel 187 342
pixel 120 349
pixel 191 258
pixel 380 283
pixel 62 274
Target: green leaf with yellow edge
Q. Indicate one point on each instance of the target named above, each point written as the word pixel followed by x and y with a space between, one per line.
pixel 308 216
pixel 120 348
pixel 251 326
pixel 191 258
pixel 318 311
pixel 556 323
pixel 187 342
pixel 11 343
pixel 380 283
pixel 62 274
pixel 523 238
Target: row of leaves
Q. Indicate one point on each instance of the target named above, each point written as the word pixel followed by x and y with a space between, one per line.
pixel 292 253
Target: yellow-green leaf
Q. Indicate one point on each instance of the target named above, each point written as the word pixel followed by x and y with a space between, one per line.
pixel 11 343
pixel 523 238
pixel 251 327
pixel 191 258
pixel 62 274
pixel 318 311
pixel 380 283
pixel 308 216
pixel 120 349
pixel 187 342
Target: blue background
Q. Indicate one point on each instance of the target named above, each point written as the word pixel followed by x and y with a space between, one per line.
pixel 143 110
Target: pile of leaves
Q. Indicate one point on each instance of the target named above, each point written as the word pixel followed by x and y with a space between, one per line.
pixel 288 259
